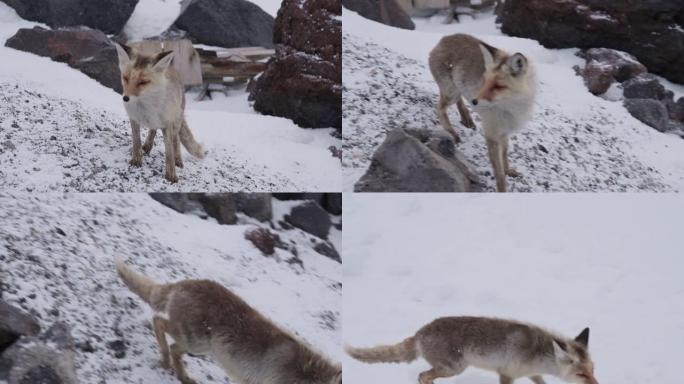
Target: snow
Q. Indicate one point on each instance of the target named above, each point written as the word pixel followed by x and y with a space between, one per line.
pixel 70 133
pixel 74 273
pixel 608 261
pixel 151 18
pixel 575 142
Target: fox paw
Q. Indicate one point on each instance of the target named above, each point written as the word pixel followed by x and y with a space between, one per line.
pixel 147 148
pixel 179 163
pixel 513 173
pixel 136 162
pixel 171 178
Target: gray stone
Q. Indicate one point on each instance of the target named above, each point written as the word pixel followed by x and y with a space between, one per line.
pixel 676 109
pixel 383 11
pixel 220 206
pixel 310 217
pixel 412 160
pixel 650 112
pixel 14 323
pixel 645 86
pixel 622 65
pixel 328 250
pixel 255 205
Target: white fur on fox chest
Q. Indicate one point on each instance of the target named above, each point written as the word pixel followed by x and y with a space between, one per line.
pixel 155 108
pixel 508 364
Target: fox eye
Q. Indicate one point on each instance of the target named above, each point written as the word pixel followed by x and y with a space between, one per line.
pixel 125 78
pixel 499 87
pixel 583 375
pixel 143 82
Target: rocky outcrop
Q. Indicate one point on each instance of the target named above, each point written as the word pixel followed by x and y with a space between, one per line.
pixel 411 160
pixel 14 323
pixel 303 81
pixel 87 50
pixel 47 358
pixel 255 205
pixel 650 112
pixel 310 217
pixel 383 11
pixel 108 16
pixel 234 23
pixel 650 30
pixel 220 206
pixel 605 66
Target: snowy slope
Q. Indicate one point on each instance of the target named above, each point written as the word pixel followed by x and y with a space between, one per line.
pixel 608 261
pixel 61 248
pixel 576 141
pixel 62 131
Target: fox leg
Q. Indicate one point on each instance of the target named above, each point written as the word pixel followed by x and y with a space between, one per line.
pixel 149 141
pixel 170 161
pixel 537 380
pixel 496 158
pixel 177 150
pixel 161 326
pixel 177 359
pixel 136 156
pixel 503 379
pixel 466 118
pixel 508 169
pixel 444 102
pixel 429 376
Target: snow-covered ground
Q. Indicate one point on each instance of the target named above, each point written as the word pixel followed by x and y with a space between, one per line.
pixel 57 262
pixel 62 131
pixel 576 141
pixel 608 261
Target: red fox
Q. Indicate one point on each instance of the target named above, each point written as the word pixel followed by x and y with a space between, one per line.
pixel 154 97
pixel 500 86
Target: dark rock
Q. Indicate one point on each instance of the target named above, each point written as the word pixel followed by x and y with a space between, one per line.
pixel 642 28
pixel 676 109
pixel 108 16
pixel 220 206
pixel 383 11
pixel 46 359
pixel 650 112
pixel 328 250
pixel 332 202
pixel 87 50
pixel 622 65
pixel 597 77
pixel 645 86
pixel 303 82
pixel 234 23
pixel 310 217
pixel 263 239
pixel 313 196
pixel 118 347
pixel 85 346
pixel 14 323
pixel 411 160
pixel 255 205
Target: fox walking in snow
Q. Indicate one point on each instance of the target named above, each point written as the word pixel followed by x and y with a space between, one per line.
pixel 512 349
pixel 154 97
pixel 500 86
pixel 204 318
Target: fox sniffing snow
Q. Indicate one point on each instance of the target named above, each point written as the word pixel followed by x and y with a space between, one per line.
pixel 204 318
pixel 154 97
pixel 509 348
pixel 500 86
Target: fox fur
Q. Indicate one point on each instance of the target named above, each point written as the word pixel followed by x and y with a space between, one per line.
pixel 154 97
pixel 511 349
pixel 205 318
pixel 500 86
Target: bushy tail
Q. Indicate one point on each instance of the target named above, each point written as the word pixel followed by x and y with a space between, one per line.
pixel 189 142
pixel 403 352
pixel 152 293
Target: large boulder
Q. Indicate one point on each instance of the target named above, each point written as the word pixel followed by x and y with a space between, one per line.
pixel 108 16
pixel 383 11
pixel 645 86
pixel 411 160
pixel 46 359
pixel 14 323
pixel 255 205
pixel 605 66
pixel 676 109
pixel 310 217
pixel 646 29
pixel 650 112
pixel 227 23
pixel 303 82
pixel 220 206
pixel 87 50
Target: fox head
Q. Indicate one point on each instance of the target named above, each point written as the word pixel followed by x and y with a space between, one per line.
pixel 505 77
pixel 139 72
pixel 573 359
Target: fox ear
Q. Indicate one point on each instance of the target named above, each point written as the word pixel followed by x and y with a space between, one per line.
pixel 487 56
pixel 124 53
pixel 583 337
pixel 517 64
pixel 559 351
pixel 163 60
